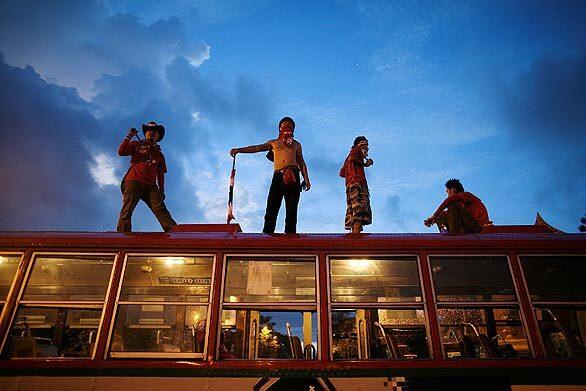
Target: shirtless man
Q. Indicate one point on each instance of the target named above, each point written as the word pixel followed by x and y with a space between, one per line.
pixel 288 162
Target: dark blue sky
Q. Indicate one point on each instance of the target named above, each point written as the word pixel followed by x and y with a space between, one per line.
pixel 491 92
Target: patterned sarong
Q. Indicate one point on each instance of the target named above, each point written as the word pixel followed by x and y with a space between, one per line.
pixel 357 205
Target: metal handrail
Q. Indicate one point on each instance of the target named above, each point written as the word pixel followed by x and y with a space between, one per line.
pixel 451 334
pixel 310 352
pixel 290 337
pixel 472 326
pixel 382 330
pixel 254 337
pixel 359 339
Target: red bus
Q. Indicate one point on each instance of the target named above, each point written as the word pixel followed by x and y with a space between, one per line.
pixel 210 307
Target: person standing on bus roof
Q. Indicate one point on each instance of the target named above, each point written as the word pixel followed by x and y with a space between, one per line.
pixel 465 212
pixel 358 211
pixel 147 167
pixel 287 157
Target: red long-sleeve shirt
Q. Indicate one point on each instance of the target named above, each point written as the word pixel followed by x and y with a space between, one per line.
pixel 147 162
pixel 353 168
pixel 469 202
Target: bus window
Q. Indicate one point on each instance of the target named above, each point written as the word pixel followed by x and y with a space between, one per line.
pixel 269 309
pixel 379 334
pixel 558 295
pixel 8 267
pixel 482 333
pixel 395 328
pixel 80 278
pixel 162 310
pixel 472 279
pixel 61 308
pixel 555 278
pixel 255 280
pixel 155 328
pixel 260 334
pixel 375 280
pixel 563 331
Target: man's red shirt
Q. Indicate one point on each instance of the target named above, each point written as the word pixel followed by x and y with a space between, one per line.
pixel 469 202
pixel 147 163
pixel 352 170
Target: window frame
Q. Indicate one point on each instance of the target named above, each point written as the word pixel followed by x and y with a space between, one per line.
pixel 11 288
pixel 338 305
pixel 161 355
pixel 88 304
pixel 478 305
pixel 538 304
pixel 268 306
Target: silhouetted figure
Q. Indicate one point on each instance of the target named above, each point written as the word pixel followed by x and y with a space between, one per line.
pixel 147 168
pixel 465 212
pixel 287 156
pixel 358 211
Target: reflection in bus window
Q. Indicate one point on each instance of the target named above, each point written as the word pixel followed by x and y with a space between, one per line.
pixel 472 279
pixel 167 279
pixel 555 278
pixel 563 331
pixel 163 307
pixel 53 332
pixel 482 333
pixel 8 268
pixel 375 280
pixel 270 280
pixel 379 334
pixel 159 328
pixel 260 334
pixel 71 278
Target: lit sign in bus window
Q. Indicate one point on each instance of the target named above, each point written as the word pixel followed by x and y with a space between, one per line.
pixel 472 279
pixel 61 308
pixel 163 307
pixel 555 278
pixel 171 278
pixel 372 280
pixel 8 268
pixel 270 280
pixel 71 278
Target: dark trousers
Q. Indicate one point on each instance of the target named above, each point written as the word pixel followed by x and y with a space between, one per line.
pixel 277 192
pixel 457 220
pixel 132 192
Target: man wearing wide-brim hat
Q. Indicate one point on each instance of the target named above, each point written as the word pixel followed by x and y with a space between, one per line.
pixel 145 179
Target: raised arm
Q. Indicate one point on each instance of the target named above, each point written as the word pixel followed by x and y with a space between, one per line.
pixel 303 167
pixel 126 146
pixel 251 149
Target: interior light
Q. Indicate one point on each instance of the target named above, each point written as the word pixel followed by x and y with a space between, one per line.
pixel 169 261
pixel 1 259
pixel 359 264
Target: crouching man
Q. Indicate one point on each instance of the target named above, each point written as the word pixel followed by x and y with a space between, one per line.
pixel 147 168
pixel 465 212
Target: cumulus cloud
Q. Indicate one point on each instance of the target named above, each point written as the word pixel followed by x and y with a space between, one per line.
pixel 76 42
pixel 125 72
pixel 42 156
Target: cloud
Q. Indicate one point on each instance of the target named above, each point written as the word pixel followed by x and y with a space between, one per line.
pixel 74 43
pixel 546 104
pixel 42 155
pixel 103 170
pixel 544 113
